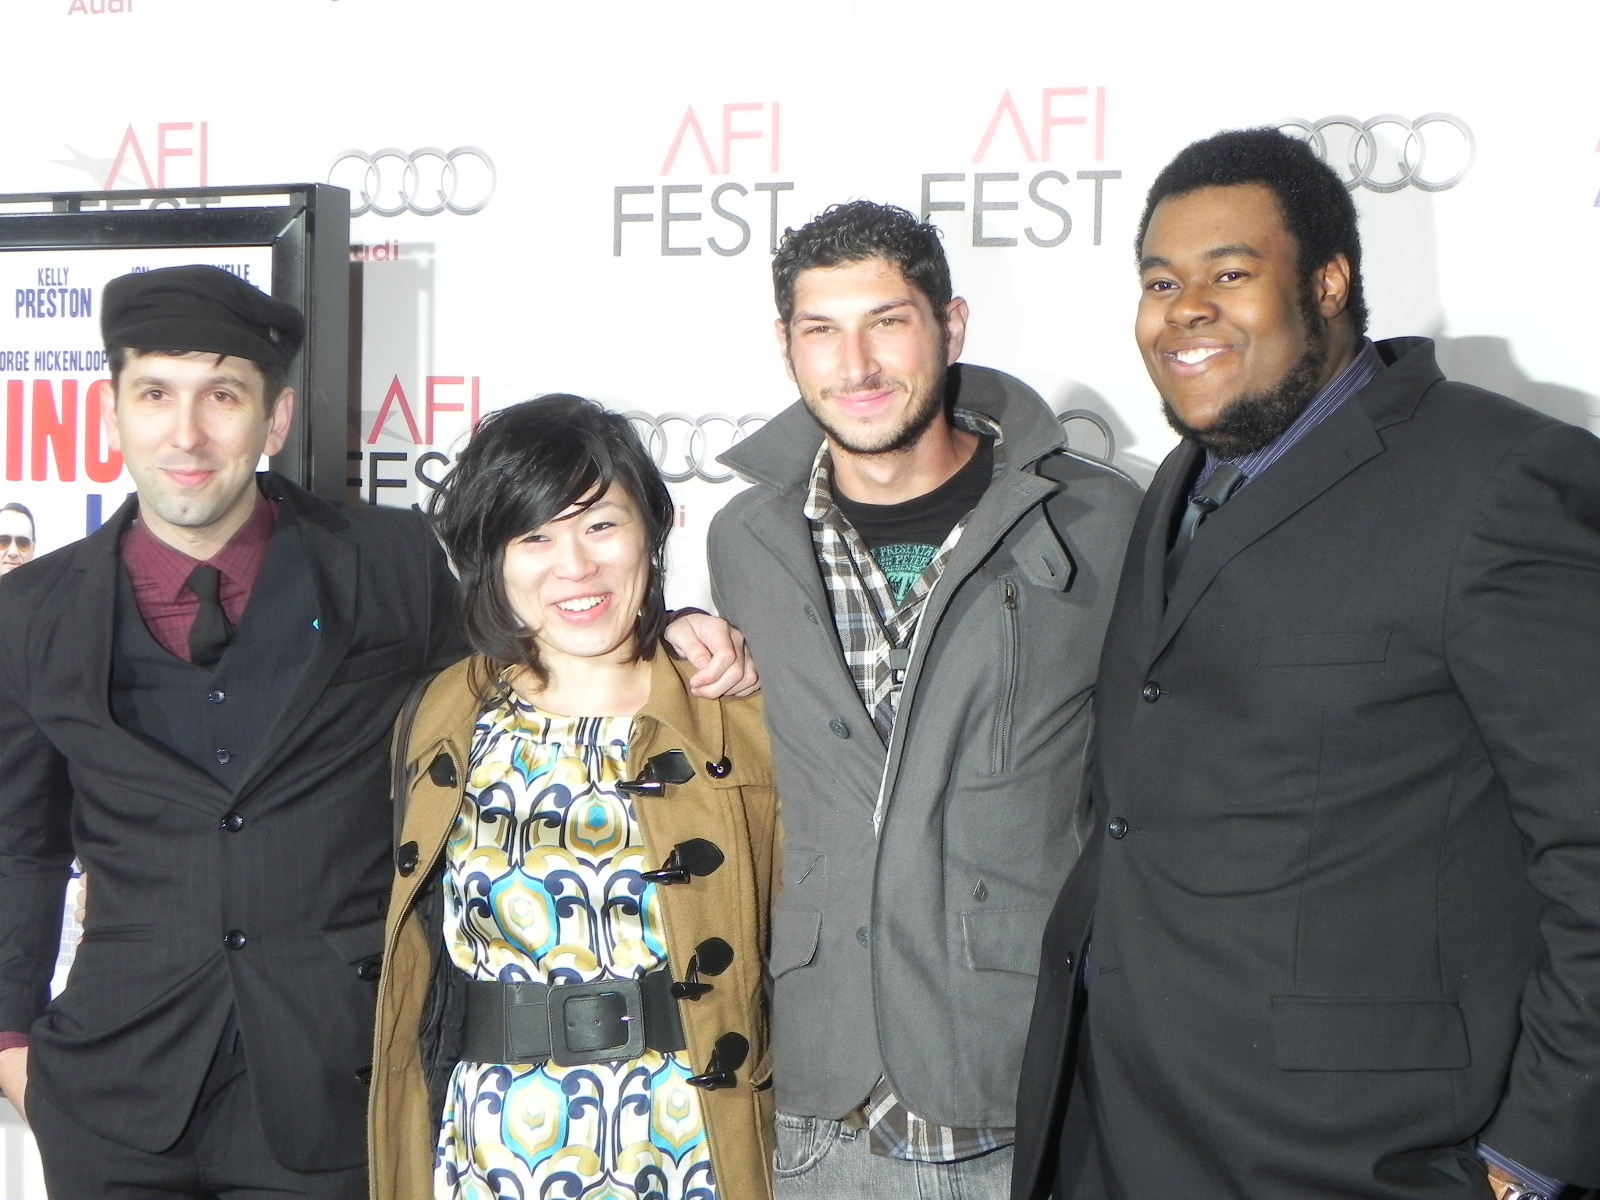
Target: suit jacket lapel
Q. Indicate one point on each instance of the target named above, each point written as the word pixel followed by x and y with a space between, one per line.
pixel 332 562
pixel 95 601
pixel 1167 496
pixel 1329 452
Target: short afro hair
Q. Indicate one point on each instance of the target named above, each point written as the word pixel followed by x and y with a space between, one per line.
pixel 1316 206
pixel 857 232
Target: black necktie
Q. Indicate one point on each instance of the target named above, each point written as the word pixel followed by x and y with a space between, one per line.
pixel 1224 481
pixel 208 638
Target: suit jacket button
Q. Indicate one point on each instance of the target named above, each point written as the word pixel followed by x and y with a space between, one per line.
pixel 840 729
pixel 861 935
pixel 1151 692
pixel 224 757
pixel 364 1073
pixel 234 939
pixel 233 822
pixel 216 695
pixel 720 768
pixel 369 970
pixel 442 771
pixel 405 858
pixel 1117 827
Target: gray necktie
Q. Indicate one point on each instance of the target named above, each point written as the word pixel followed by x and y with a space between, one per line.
pixel 1224 481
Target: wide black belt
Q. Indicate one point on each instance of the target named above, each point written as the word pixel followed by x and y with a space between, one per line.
pixel 571 1023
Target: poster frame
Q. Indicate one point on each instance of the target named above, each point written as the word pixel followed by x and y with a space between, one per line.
pixel 307 226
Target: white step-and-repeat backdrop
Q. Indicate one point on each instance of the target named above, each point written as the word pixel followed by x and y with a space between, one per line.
pixel 583 197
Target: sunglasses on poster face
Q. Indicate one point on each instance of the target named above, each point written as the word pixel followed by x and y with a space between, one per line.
pixel 23 541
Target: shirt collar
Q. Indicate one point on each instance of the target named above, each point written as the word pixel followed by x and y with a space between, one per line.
pixel 239 562
pixel 819 497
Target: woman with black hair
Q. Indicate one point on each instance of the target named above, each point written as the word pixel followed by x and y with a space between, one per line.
pixel 570 1001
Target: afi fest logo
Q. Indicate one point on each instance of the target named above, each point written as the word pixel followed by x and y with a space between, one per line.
pixel 1431 153
pixel 395 469
pixel 1048 129
pixel 424 182
pixel 730 139
pixel 166 154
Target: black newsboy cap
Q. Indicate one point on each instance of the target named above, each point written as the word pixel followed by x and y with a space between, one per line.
pixel 199 308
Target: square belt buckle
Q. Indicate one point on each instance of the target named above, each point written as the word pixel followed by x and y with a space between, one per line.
pixel 596 1022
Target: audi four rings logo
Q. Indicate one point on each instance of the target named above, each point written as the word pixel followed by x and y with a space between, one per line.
pixel 1435 150
pixel 425 182
pixel 685 447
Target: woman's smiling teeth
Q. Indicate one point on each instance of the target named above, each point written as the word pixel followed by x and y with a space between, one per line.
pixel 581 604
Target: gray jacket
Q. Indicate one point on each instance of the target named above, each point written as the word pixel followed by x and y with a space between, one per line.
pixel 914 954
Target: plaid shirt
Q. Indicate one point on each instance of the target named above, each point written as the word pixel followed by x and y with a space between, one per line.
pixel 875 634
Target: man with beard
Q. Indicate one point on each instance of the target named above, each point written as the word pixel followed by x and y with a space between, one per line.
pixel 1345 883
pixel 924 573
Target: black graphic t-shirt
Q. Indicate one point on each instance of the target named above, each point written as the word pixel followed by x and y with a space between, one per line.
pixel 904 537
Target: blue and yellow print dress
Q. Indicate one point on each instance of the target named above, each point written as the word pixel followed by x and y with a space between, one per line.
pixel 541 883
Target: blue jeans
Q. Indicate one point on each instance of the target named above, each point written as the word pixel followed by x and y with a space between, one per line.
pixel 818 1159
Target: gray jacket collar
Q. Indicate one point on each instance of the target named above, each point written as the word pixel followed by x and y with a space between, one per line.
pixel 780 453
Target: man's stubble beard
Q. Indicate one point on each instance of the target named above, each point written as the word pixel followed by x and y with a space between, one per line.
pixel 917 421
pixel 1252 421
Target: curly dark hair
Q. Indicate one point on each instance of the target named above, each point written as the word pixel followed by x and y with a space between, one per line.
pixel 524 466
pixel 1316 206
pixel 856 232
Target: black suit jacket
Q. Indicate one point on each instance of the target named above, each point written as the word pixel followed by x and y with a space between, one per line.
pixel 125 1047
pixel 1348 906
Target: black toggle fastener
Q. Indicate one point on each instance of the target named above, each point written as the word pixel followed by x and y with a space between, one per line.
pixel 670 766
pixel 727 1056
pixel 713 956
pixel 687 859
pixel 442 771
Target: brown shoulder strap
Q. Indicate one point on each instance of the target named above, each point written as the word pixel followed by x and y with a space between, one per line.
pixel 399 751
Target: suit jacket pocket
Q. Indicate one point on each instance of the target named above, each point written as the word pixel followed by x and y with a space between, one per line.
pixel 1314 1033
pixel 119 933
pixel 1004 939
pixel 794 939
pixel 378 661
pixel 1323 649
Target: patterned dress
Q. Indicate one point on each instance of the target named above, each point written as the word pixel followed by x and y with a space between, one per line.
pixel 541 883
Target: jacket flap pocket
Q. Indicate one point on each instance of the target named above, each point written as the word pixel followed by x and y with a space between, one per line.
pixel 1005 939
pixel 353 943
pixel 794 939
pixel 1323 649
pixel 1321 1034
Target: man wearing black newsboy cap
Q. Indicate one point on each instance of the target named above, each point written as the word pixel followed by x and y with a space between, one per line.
pixel 196 700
